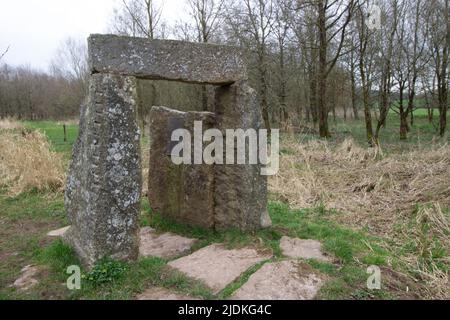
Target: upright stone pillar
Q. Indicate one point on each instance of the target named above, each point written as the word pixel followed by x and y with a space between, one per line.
pixel 185 192
pixel 104 184
pixel 240 194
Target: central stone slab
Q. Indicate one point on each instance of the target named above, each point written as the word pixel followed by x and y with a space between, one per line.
pixel 218 267
pixel 183 193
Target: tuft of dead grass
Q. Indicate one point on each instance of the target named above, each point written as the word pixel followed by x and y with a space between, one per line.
pixel 430 236
pixel 377 192
pixel 10 124
pixel 27 163
pixel 369 189
pixel 69 122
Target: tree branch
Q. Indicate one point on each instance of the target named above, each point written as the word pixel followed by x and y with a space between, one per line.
pixel 4 53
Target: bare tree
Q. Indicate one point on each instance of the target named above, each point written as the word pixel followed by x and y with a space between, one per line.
pixel 207 16
pixel 138 18
pixel 366 58
pixel 386 38
pixel 71 62
pixel 252 23
pixel 439 45
pixel 281 30
pixel 333 18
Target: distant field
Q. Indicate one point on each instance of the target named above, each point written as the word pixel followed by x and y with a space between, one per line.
pixel 55 133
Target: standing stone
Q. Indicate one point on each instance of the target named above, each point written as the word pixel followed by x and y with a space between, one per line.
pixel 104 185
pixel 183 193
pixel 240 190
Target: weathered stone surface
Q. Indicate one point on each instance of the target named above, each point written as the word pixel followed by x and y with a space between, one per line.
pixel 240 190
pixel 216 266
pixel 27 279
pixel 166 59
pixel 104 184
pixel 163 294
pixel 166 245
pixel 184 193
pixel 286 280
pixel 302 249
pixel 58 233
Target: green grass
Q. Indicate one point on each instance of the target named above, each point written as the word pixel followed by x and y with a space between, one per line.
pixel 55 134
pixel 422 135
pixel 44 214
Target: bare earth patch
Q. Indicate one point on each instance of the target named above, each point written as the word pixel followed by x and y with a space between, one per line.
pixel 216 266
pixel 303 249
pixel 165 245
pixel 286 280
pixel 28 278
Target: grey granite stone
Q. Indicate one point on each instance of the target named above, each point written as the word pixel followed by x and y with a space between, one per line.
pixel 104 184
pixel 166 59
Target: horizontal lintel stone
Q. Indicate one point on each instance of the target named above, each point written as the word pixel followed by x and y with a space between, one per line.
pixel 167 60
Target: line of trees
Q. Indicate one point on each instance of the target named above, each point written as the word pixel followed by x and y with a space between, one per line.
pixel 310 60
pixel 30 94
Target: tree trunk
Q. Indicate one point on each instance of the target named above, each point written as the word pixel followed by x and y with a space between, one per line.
pixel 353 83
pixel 430 114
pixel 322 75
pixel 403 118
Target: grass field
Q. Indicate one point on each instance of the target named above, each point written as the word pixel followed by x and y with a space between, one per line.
pixel 25 220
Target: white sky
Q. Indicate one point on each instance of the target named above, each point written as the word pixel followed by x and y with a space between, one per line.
pixel 34 28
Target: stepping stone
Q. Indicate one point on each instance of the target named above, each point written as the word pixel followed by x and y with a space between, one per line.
pixel 286 280
pixel 58 233
pixel 166 246
pixel 216 266
pixel 162 294
pixel 302 249
pixel 27 279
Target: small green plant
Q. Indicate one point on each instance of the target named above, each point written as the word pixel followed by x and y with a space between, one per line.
pixel 106 271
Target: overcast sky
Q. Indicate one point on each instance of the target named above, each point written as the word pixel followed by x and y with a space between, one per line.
pixel 34 28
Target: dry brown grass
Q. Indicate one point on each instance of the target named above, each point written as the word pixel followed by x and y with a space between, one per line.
pixel 393 196
pixel 429 233
pixel 69 122
pixel 371 190
pixel 10 124
pixel 27 163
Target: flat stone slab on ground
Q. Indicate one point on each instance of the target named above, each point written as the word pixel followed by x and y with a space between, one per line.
pixel 156 293
pixel 166 246
pixel 58 233
pixel 304 249
pixel 216 266
pixel 286 280
pixel 27 279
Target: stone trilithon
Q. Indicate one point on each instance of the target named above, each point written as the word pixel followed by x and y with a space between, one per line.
pixel 105 180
